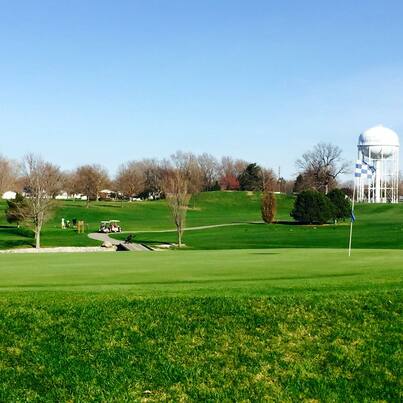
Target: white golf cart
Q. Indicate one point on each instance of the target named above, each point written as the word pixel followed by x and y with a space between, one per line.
pixel 107 227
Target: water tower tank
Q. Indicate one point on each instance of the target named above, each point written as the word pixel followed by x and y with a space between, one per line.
pixel 380 140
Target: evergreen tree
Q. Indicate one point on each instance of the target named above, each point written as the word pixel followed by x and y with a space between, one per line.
pixel 312 207
pixel 251 178
pixel 298 184
pixel 341 204
pixel 16 210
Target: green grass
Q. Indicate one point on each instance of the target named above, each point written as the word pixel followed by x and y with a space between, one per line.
pixel 237 272
pixel 377 226
pixel 254 320
pixel 243 325
pixel 100 348
pixel 206 209
pixel 368 235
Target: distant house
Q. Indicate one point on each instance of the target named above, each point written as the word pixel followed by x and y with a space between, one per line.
pixel 9 195
pixel 79 196
pixel 63 196
pixel 107 194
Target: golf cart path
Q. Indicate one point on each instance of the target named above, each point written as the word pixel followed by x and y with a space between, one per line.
pixel 106 238
pixel 102 237
pixel 194 228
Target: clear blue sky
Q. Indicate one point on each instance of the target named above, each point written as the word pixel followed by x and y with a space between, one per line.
pixel 108 81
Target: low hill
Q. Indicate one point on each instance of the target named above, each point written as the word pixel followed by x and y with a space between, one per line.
pixel 377 226
pixel 210 208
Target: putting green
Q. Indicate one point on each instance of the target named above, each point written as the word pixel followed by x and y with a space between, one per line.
pixel 239 272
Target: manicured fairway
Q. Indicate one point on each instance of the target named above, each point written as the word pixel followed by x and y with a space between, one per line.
pixel 239 272
pixel 376 227
pixel 244 325
pixel 246 236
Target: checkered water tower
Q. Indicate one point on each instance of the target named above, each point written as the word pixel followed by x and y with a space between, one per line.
pixel 378 150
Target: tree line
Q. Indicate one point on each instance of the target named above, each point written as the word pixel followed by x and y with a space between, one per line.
pixel 318 169
pixel 142 178
pixel 178 178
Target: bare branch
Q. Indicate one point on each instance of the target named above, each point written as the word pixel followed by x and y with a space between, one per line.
pixel 175 186
pixel 321 166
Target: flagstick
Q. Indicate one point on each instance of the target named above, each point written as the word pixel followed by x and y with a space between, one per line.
pixel 351 224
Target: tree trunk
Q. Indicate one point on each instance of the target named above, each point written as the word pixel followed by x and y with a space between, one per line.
pixel 88 202
pixel 179 237
pixel 37 238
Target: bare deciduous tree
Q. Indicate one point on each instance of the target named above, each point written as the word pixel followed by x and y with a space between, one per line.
pixel 322 165
pixel 8 175
pixel 400 189
pixel 209 168
pixel 89 181
pixel 175 186
pixel 230 171
pixel 130 178
pixel 152 176
pixel 41 180
pixel 288 187
pixel 188 165
pixel 269 179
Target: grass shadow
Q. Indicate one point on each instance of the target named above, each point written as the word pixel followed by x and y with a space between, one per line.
pixel 17 243
pixel 14 237
pixel 264 253
pixel 284 222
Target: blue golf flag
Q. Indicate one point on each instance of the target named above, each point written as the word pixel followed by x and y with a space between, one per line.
pixel 352 216
pixel 362 169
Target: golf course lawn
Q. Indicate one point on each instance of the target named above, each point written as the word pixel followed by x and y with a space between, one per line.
pixel 247 312
pixel 243 325
pixel 230 272
pixel 259 235
pixel 377 226
pixel 207 208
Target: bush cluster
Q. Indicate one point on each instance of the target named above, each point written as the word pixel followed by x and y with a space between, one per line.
pixel 268 207
pixel 313 207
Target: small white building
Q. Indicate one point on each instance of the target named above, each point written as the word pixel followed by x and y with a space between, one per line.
pixel 63 196
pixel 9 195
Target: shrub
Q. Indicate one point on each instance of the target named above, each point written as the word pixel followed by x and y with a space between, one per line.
pixel 312 207
pixel 341 204
pixel 269 207
pixel 16 210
